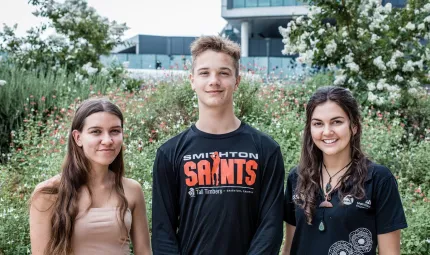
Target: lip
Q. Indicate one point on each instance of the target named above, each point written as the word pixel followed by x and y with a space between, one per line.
pixel 214 91
pixel 334 141
pixel 106 150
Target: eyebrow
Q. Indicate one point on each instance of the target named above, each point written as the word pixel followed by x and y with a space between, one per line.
pixel 102 127
pixel 207 68
pixel 338 117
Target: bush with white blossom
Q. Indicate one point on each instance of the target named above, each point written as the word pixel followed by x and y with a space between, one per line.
pixel 379 52
pixel 80 37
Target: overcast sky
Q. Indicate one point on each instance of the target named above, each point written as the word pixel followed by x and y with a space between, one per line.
pixel 152 17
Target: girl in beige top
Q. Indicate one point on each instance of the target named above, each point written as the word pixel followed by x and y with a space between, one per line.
pixel 90 208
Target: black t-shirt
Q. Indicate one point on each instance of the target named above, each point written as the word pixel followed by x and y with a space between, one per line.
pixel 351 228
pixel 218 194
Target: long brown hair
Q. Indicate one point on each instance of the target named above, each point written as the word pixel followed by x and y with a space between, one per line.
pixel 309 176
pixel 75 174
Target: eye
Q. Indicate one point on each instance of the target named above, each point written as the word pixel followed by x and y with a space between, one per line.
pixel 225 73
pixel 96 132
pixel 116 131
pixel 337 122
pixel 316 124
pixel 204 73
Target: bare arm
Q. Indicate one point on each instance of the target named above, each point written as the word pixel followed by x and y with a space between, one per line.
pixel 389 243
pixel 41 209
pixel 139 227
pixel 289 234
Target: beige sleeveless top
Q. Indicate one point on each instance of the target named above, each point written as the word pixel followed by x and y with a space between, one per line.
pixel 99 231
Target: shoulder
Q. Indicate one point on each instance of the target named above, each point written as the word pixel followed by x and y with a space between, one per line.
pixel 379 173
pixel 261 137
pixel 293 174
pixel 133 191
pixel 174 141
pixel 131 184
pixel 41 198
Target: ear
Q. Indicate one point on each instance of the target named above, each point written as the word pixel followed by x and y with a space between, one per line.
pixel 191 78
pixel 77 137
pixel 354 130
pixel 236 86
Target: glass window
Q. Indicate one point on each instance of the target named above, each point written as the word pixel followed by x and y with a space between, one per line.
pixel 277 2
pixel 262 3
pixel 289 2
pixel 238 3
pixel 251 3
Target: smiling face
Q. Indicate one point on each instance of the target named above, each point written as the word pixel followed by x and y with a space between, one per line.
pixel 101 138
pixel 330 130
pixel 214 80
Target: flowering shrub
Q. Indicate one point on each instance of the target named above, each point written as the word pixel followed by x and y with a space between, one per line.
pixel 81 37
pixel 376 51
pixel 164 109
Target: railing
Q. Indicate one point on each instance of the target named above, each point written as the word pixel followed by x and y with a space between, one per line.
pixel 282 67
pixel 264 3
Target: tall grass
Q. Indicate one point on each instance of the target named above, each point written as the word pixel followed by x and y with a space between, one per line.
pixel 29 92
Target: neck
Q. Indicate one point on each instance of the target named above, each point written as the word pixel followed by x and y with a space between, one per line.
pixel 336 162
pixel 217 121
pixel 99 176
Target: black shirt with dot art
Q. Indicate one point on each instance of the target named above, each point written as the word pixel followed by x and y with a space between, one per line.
pixel 351 227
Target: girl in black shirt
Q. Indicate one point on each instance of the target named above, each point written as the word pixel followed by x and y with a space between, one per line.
pixel 337 201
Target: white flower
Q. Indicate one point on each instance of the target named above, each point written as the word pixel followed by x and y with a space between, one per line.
pixel 379 63
pixel 344 34
pixel 428 240
pixel 388 7
pixel 427 19
pixel 380 101
pixel 371 97
pixel 408 67
pixel 410 26
pixel 299 20
pixel 381 84
pixel 90 70
pixel 421 26
pixel 321 31
pixel 419 64
pixel 349 58
pixel 125 64
pixel 414 82
pixel 374 38
pixel 330 48
pixel 340 80
pixel 3 82
pixel 392 64
pixel 412 91
pixel 398 78
pixel 371 86
pixel 353 67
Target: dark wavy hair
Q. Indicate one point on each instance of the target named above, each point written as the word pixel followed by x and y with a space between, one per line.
pixel 75 174
pixel 309 176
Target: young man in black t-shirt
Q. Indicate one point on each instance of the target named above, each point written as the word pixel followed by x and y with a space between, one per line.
pixel 217 186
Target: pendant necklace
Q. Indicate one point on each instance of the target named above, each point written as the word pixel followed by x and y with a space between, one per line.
pixel 327 195
pixel 328 186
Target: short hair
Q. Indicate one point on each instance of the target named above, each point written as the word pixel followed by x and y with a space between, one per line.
pixel 217 44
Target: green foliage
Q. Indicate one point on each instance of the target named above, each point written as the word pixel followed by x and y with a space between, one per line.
pixel 162 110
pixel 81 37
pixel 376 51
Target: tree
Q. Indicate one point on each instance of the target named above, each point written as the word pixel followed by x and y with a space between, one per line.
pixel 80 37
pixel 379 52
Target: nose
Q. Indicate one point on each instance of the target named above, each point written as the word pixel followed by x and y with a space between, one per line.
pixel 327 130
pixel 107 139
pixel 213 79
